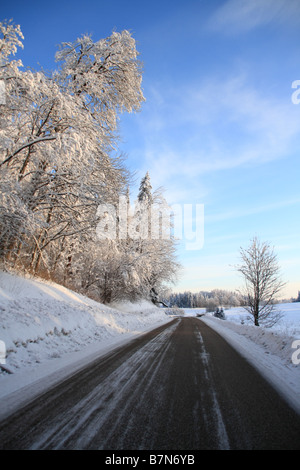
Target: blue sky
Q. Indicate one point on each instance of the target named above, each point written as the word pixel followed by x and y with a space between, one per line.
pixel 218 128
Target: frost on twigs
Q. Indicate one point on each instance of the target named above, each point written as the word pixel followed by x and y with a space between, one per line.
pixel 262 282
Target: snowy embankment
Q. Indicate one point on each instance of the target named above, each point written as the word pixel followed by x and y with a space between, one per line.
pixel 50 331
pixel 275 351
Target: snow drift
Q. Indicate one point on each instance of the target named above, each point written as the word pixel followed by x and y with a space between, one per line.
pixel 42 320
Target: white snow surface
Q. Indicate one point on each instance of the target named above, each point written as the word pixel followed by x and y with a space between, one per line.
pixel 50 332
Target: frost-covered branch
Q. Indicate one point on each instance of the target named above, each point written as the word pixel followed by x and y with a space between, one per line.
pixel 24 146
pixel 261 273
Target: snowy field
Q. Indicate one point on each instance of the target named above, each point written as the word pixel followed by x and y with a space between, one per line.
pixel 50 332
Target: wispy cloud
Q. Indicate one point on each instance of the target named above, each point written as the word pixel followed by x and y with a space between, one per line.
pixel 216 126
pixel 237 16
pixel 254 210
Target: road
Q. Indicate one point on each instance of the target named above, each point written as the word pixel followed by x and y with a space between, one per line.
pixel 178 387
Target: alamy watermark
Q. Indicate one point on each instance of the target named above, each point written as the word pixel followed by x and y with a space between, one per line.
pixel 152 222
pixel 296 94
pixel 2 352
pixel 2 92
pixel 296 354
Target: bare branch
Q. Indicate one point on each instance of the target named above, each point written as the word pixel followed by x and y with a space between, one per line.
pixel 261 274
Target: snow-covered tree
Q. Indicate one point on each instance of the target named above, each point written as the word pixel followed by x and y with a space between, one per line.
pixel 261 273
pixel 202 299
pixel 59 139
pixel 136 263
pixel 145 191
pixel 59 161
pixel 153 254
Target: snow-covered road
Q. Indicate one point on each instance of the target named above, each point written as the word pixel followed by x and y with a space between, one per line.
pixel 180 386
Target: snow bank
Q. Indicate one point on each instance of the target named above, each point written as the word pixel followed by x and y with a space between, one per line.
pixel 41 321
pixel 50 332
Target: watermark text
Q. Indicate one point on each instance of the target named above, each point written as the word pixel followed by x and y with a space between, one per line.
pixel 152 222
pixel 2 352
pixel 296 354
pixel 296 93
pixel 2 92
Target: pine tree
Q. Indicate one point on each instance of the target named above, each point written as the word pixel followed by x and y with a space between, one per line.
pixel 145 191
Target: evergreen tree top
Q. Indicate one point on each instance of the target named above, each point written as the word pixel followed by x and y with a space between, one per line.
pixel 145 190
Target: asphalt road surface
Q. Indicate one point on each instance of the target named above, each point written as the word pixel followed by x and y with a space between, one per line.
pixel 179 387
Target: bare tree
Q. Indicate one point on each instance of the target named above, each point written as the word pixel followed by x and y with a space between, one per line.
pixel 261 274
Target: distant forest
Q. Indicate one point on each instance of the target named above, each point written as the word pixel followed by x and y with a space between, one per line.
pixel 203 299
pixel 210 299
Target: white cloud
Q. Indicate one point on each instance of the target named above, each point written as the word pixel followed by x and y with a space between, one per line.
pixel 244 212
pixel 237 16
pixel 216 126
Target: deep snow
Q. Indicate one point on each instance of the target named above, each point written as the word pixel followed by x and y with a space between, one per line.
pixel 50 332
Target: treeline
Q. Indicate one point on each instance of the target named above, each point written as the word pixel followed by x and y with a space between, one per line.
pixel 59 161
pixel 298 298
pixel 205 299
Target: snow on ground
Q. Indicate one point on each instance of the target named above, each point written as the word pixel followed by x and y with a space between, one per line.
pixel 50 332
pixel 275 351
